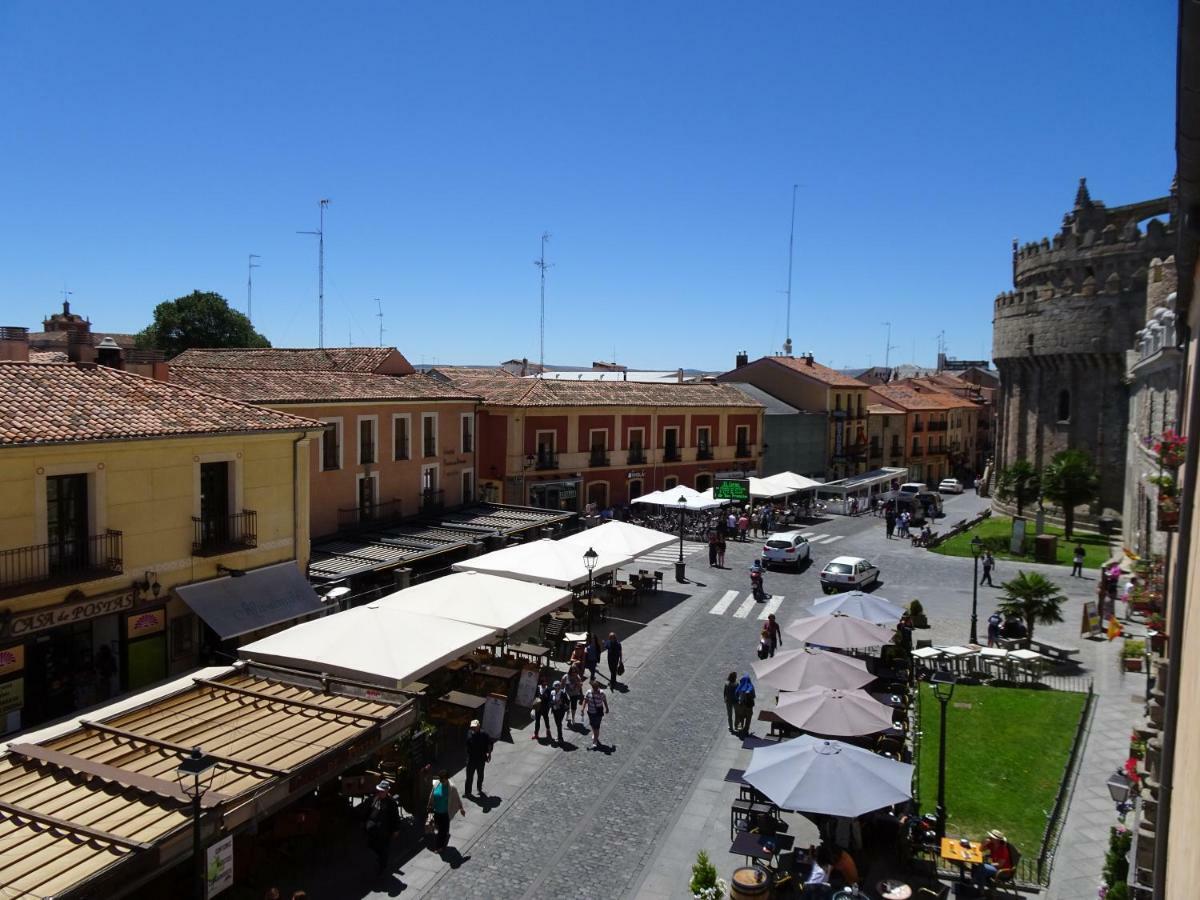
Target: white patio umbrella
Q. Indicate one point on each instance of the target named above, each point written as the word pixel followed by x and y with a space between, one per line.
pixel 840 630
pixel 790 670
pixel 620 538
pixel 858 603
pixel 809 774
pixel 823 710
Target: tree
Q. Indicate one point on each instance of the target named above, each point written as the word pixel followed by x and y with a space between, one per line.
pixel 1032 598
pixel 1070 480
pixel 1019 483
pixel 201 319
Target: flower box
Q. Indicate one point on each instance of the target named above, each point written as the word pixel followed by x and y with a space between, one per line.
pixel 1132 663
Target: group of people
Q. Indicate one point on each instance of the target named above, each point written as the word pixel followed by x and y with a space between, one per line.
pixel 568 696
pixel 897 524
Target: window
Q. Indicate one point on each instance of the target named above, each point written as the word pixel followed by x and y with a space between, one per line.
pixel 743 440
pixel 67 522
pixel 429 478
pixel 670 482
pixel 704 442
pixel 703 482
pixel 597 492
pixel 468 433
pixel 635 489
pixel 886 421
pixel 400 437
pixel 183 636
pixel 837 402
pixel 368 495
pixel 860 406
pixel 546 458
pixel 468 487
pixel 598 440
pixel 431 494
pixel 429 434
pixel 1064 406
pixel 671 444
pixel 368 428
pixel 637 450
pixel 331 445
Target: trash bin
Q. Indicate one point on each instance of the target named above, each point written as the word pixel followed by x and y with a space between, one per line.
pixel 1108 526
pixel 679 576
pixel 1045 548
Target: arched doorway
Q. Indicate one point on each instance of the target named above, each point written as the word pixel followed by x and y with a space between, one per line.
pixel 597 492
pixel 635 489
pixel 703 482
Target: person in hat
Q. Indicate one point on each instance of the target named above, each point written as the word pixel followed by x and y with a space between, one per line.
pixel 383 818
pixel 479 754
pixel 997 856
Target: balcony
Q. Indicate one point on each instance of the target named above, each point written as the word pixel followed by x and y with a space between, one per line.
pixel 672 454
pixel 47 565
pixel 546 459
pixel 377 514
pixel 917 452
pixel 918 426
pixel 598 458
pixel 433 500
pixel 213 535
pixel 742 451
pixel 938 426
pixel 704 452
pixel 636 457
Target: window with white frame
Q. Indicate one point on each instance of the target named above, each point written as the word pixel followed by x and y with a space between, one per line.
pixel 331 445
pixel 468 486
pixel 367 488
pixel 401 437
pixel 703 439
pixel 429 441
pixel 368 439
pixel 468 433
pixel 637 442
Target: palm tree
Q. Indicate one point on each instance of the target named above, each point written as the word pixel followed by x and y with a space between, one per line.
pixel 1069 480
pixel 1033 598
pixel 1018 483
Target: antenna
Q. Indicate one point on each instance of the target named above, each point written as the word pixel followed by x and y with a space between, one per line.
pixel 66 295
pixel 543 265
pixel 251 265
pixel 887 353
pixel 379 315
pixel 787 343
pixel 320 233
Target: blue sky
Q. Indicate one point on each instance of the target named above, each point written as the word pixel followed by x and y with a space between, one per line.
pixel 148 148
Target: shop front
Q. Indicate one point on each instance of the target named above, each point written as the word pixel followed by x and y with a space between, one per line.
pixel 558 495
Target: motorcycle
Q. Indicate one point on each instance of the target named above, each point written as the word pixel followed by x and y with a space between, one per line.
pixel 756 584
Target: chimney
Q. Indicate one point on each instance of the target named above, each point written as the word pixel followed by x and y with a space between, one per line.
pixel 742 359
pixel 14 343
pixel 79 347
pixel 808 359
pixel 108 353
pixel 524 366
pixel 679 375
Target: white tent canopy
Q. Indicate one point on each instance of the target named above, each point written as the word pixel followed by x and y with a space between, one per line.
pixel 550 562
pixel 479 599
pixel 376 643
pixel 619 538
pixel 791 482
pixel 861 605
pixel 683 498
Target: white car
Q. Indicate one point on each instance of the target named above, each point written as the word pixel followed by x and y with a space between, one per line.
pixel 950 486
pixel 848 573
pixel 786 548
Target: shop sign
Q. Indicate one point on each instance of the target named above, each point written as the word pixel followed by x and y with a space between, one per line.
pixel 633 475
pixel 41 619
pixel 12 659
pixel 735 489
pixel 218 867
pixel 12 695
pixel 145 623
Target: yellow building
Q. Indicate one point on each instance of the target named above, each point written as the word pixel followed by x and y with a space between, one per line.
pixel 143 527
pixel 930 432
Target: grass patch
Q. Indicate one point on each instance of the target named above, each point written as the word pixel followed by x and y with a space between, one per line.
pixel 1005 756
pixel 995 532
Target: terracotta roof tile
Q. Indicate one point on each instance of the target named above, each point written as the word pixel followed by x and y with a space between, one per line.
pixel 259 386
pixel 305 359
pixel 813 369
pixel 918 398
pixel 505 391
pixel 43 403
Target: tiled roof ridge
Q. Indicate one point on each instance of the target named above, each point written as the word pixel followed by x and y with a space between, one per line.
pixel 444 391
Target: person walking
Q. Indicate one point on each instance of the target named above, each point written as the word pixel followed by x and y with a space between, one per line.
pixel 993 628
pixel 383 818
pixel 560 702
pixel 541 711
pixel 720 551
pixel 743 699
pixel 596 704
pixel 1077 561
pixel 774 635
pixel 988 562
pixel 889 523
pixel 743 524
pixel 444 802
pixel 616 659
pixel 731 523
pixel 574 690
pixel 591 657
pixel 712 547
pixel 730 698
pixel 479 754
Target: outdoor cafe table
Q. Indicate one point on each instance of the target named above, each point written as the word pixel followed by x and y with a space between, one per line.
pixel 489 679
pixel 532 652
pixel 750 845
pixel 954 851
pixel 959 655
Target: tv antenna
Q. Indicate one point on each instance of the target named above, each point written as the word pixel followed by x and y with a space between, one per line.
pixel 251 265
pixel 541 263
pixel 787 342
pixel 889 347
pixel 379 315
pixel 320 233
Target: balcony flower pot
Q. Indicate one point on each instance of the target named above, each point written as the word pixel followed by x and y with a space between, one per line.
pixel 1131 663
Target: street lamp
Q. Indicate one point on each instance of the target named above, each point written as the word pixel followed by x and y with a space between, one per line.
pixel 943 690
pixel 589 563
pixel 679 576
pixel 976 549
pixel 525 467
pixel 1119 787
pixel 195 775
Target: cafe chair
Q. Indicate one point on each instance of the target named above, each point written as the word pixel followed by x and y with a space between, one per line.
pixel 941 892
pixel 1003 879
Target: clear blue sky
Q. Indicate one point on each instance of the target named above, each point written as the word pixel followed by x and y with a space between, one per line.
pixel 147 148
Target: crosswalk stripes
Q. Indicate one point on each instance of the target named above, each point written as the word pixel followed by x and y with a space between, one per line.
pixel 744 610
pixel 771 607
pixel 664 556
pixel 813 538
pixel 724 603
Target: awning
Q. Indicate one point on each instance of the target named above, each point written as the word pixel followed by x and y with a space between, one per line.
pixel 479 599
pixel 234 605
pixel 544 562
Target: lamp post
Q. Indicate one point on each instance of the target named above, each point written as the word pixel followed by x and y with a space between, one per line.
pixel 679 575
pixel 589 563
pixel 525 467
pixel 976 549
pixel 943 690
pixel 1119 787
pixel 195 776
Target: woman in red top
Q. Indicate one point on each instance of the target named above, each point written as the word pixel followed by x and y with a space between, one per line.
pixel 997 856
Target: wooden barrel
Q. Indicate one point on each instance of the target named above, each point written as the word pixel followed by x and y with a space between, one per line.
pixel 750 882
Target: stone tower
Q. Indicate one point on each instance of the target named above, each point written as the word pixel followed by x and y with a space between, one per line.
pixel 1059 337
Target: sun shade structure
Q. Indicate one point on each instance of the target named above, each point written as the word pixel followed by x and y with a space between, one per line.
pixel 840 630
pixel 862 605
pixel 260 598
pixel 619 538
pixel 791 670
pixel 555 563
pixel 490 601
pixel 832 711
pixel 808 774
pixel 791 482
pixel 375 643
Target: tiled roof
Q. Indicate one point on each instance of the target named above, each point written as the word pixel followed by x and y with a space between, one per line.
pixel 48 339
pixel 305 359
pixel 48 356
pixel 814 370
pixel 505 391
pixel 915 398
pixel 64 403
pixel 472 371
pixel 257 386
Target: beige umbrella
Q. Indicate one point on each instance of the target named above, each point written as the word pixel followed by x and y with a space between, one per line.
pixel 831 711
pixel 840 630
pixel 790 670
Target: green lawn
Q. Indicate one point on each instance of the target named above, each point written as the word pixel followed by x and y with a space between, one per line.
pixel 996 530
pixel 1006 749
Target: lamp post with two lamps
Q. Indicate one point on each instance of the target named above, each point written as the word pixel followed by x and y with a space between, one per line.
pixel 976 549
pixel 679 574
pixel 195 775
pixel 943 690
pixel 589 563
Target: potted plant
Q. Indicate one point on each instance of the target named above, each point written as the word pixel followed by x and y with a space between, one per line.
pixel 1131 655
pixel 1170 447
pixel 705 885
pixel 916 612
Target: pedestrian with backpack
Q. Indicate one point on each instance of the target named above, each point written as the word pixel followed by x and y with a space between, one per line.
pixel 730 694
pixel 560 701
pixel 743 699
